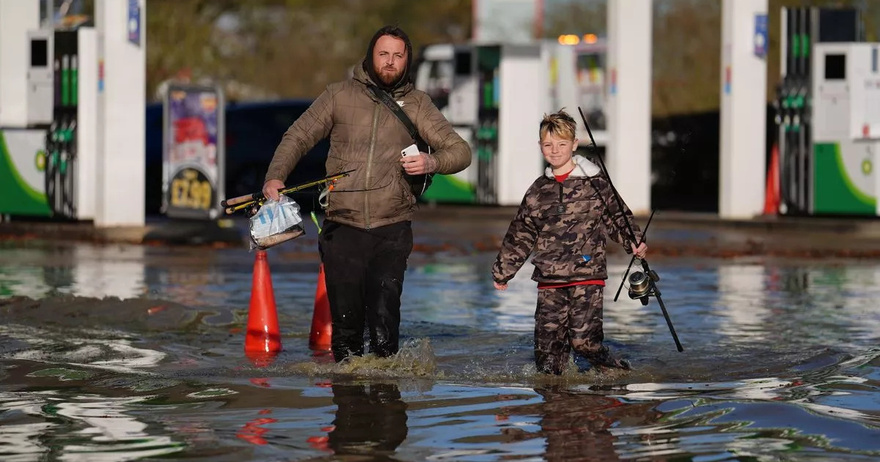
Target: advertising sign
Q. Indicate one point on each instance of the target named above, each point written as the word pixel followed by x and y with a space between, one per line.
pixel 22 173
pixel 761 38
pixel 193 152
pixel 134 22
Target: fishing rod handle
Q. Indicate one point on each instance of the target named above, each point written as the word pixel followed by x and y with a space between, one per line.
pixel 241 206
pixel 248 199
pixel 241 200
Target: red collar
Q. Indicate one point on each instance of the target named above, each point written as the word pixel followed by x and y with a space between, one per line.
pixel 561 178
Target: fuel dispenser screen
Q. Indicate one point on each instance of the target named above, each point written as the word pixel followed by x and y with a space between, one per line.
pixel 39 53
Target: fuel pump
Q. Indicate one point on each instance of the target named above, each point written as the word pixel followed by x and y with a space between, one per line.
pixel 488 61
pixel 479 87
pixel 59 156
pixel 828 76
pixel 61 160
pixel 793 117
pixel 63 101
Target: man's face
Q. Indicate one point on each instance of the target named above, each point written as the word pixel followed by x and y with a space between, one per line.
pixel 389 58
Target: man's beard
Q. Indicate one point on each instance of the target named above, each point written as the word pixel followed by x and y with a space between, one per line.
pixel 387 78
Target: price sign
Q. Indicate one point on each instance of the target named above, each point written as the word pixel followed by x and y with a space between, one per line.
pixel 191 189
pixel 193 158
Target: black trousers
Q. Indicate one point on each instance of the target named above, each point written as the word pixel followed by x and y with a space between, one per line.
pixel 364 275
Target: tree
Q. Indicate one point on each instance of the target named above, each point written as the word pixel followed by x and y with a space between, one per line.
pixel 686 56
pixel 283 48
pixel 575 17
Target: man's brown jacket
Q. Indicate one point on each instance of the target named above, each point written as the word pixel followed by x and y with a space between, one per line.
pixel 365 136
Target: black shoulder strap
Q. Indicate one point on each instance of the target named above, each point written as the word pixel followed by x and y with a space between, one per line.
pixel 389 102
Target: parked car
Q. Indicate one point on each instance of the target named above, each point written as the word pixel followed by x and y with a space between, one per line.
pixel 252 131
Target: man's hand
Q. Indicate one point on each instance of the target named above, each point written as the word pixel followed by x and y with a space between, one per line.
pixel 420 164
pixel 640 251
pixel 271 188
pixel 500 286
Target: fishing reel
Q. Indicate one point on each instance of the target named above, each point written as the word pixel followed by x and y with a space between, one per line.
pixel 641 285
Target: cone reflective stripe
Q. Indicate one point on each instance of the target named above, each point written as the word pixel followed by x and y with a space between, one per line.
pixel 319 338
pixel 263 337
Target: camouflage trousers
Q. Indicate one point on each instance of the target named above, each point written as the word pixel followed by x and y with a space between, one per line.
pixel 569 318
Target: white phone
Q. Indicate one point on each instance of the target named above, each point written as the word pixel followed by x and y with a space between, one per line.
pixel 411 150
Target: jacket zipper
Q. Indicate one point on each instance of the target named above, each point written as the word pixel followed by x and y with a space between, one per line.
pixel 561 207
pixel 370 167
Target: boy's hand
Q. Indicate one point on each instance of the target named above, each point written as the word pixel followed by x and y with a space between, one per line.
pixel 640 251
pixel 500 286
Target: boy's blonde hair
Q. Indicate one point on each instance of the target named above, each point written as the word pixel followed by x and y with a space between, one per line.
pixel 559 124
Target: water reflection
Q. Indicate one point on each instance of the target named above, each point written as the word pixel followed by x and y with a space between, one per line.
pixel 116 271
pixel 20 433
pixel 370 419
pixel 780 360
pixel 578 426
pixel 84 270
pixel 107 429
pixel 90 349
pixel 80 428
pixel 254 430
pixel 742 304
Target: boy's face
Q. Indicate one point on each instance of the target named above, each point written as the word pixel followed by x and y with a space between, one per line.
pixel 557 151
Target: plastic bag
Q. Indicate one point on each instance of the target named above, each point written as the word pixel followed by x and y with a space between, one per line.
pixel 275 222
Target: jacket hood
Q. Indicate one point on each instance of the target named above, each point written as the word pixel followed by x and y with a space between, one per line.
pixel 369 69
pixel 582 168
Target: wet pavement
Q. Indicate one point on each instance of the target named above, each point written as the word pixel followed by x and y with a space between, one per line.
pixel 671 233
pixel 126 344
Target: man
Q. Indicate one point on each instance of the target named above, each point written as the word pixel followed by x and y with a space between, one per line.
pixel 367 236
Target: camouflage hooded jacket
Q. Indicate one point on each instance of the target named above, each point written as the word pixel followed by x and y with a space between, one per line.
pixel 564 226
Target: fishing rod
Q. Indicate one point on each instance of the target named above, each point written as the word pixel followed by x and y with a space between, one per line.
pixel 642 284
pixel 242 202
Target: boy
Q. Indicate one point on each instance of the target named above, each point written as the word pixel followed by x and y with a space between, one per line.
pixel 563 220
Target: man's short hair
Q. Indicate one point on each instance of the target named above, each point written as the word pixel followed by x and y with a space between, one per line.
pixel 559 124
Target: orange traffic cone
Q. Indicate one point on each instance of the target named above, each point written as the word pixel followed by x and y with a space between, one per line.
pixel 319 338
pixel 263 338
pixel 771 192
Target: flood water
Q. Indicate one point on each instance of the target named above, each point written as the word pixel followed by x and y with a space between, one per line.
pixel 122 352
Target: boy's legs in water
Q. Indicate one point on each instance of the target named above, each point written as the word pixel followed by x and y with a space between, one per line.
pixel 552 346
pixel 585 327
